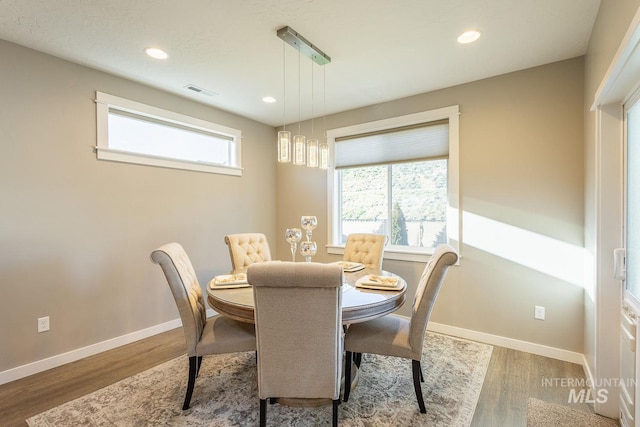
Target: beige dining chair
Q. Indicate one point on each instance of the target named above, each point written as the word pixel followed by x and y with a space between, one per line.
pixel 365 248
pixel 215 335
pixel 400 336
pixel 246 249
pixel 298 318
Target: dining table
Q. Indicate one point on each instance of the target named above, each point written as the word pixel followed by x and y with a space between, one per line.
pixel 362 300
pixel 359 303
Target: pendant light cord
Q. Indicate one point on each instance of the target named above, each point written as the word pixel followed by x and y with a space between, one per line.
pixel 284 88
pixel 299 84
pixel 312 132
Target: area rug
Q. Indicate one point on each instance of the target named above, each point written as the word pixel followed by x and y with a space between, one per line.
pixel 226 394
pixel 547 414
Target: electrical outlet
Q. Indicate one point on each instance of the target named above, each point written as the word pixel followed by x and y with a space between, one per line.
pixel 538 312
pixel 43 324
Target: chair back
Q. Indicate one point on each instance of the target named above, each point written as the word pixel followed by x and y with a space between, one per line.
pixel 426 294
pixel 246 249
pixel 365 248
pixel 298 320
pixel 186 291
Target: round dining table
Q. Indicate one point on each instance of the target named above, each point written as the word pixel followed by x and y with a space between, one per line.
pixel 358 304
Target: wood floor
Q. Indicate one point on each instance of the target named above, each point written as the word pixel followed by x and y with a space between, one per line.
pixel 511 379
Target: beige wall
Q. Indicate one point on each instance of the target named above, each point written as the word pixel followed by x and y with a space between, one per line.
pixel 521 163
pixel 76 233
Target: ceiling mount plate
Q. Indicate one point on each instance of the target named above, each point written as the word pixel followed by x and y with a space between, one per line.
pixel 296 40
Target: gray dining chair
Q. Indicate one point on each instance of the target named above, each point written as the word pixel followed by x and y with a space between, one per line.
pixel 400 336
pixel 246 249
pixel 203 336
pixel 298 318
pixel 365 248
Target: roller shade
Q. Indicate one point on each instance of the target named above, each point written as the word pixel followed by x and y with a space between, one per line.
pixel 416 142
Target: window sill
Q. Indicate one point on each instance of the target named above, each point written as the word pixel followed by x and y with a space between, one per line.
pixel 149 160
pixel 392 254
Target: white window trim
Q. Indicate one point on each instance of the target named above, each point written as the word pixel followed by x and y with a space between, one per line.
pixel 104 102
pixel 452 114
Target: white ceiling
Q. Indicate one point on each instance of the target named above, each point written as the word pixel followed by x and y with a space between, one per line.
pixel 380 49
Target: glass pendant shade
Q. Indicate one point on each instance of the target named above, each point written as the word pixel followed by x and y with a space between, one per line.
pixel 312 153
pixel 323 156
pixel 299 145
pixel 284 146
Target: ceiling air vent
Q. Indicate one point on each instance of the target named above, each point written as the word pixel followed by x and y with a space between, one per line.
pixel 199 90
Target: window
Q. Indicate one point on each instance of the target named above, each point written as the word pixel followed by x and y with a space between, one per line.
pixel 132 132
pixel 397 177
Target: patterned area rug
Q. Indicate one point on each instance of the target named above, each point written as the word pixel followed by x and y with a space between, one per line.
pixel 546 414
pixel 226 394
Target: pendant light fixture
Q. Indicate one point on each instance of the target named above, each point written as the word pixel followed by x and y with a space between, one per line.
pixel 301 152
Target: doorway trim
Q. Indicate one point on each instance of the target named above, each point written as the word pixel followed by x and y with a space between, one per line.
pixel 618 83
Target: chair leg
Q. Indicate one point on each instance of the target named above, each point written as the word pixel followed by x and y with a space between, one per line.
pixel 336 402
pixel 199 364
pixel 193 370
pixel 417 370
pixel 347 377
pixel 421 376
pixel 263 412
pixel 358 359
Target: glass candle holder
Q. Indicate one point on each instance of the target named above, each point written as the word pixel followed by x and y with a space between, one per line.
pixel 308 223
pixel 308 249
pixel 293 236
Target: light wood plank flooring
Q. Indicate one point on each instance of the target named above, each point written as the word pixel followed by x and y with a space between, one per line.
pixel 511 379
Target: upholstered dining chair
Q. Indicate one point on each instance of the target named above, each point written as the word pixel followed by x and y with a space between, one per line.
pixel 247 248
pixel 365 248
pixel 215 335
pixel 399 336
pixel 298 318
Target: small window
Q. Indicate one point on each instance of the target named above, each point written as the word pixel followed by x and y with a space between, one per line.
pixel 397 177
pixel 132 132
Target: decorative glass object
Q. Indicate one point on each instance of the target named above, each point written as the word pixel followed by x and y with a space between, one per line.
pixel 293 236
pixel 308 249
pixel 308 223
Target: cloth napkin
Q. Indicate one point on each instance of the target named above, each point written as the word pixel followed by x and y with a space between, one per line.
pixel 373 281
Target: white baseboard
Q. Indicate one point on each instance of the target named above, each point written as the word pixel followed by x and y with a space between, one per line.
pixel 80 353
pixel 529 347
pixel 71 356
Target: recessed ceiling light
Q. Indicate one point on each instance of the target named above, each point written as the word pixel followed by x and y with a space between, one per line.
pixel 156 53
pixel 468 36
pixel 269 99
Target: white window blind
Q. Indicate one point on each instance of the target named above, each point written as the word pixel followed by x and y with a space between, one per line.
pixel 416 142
